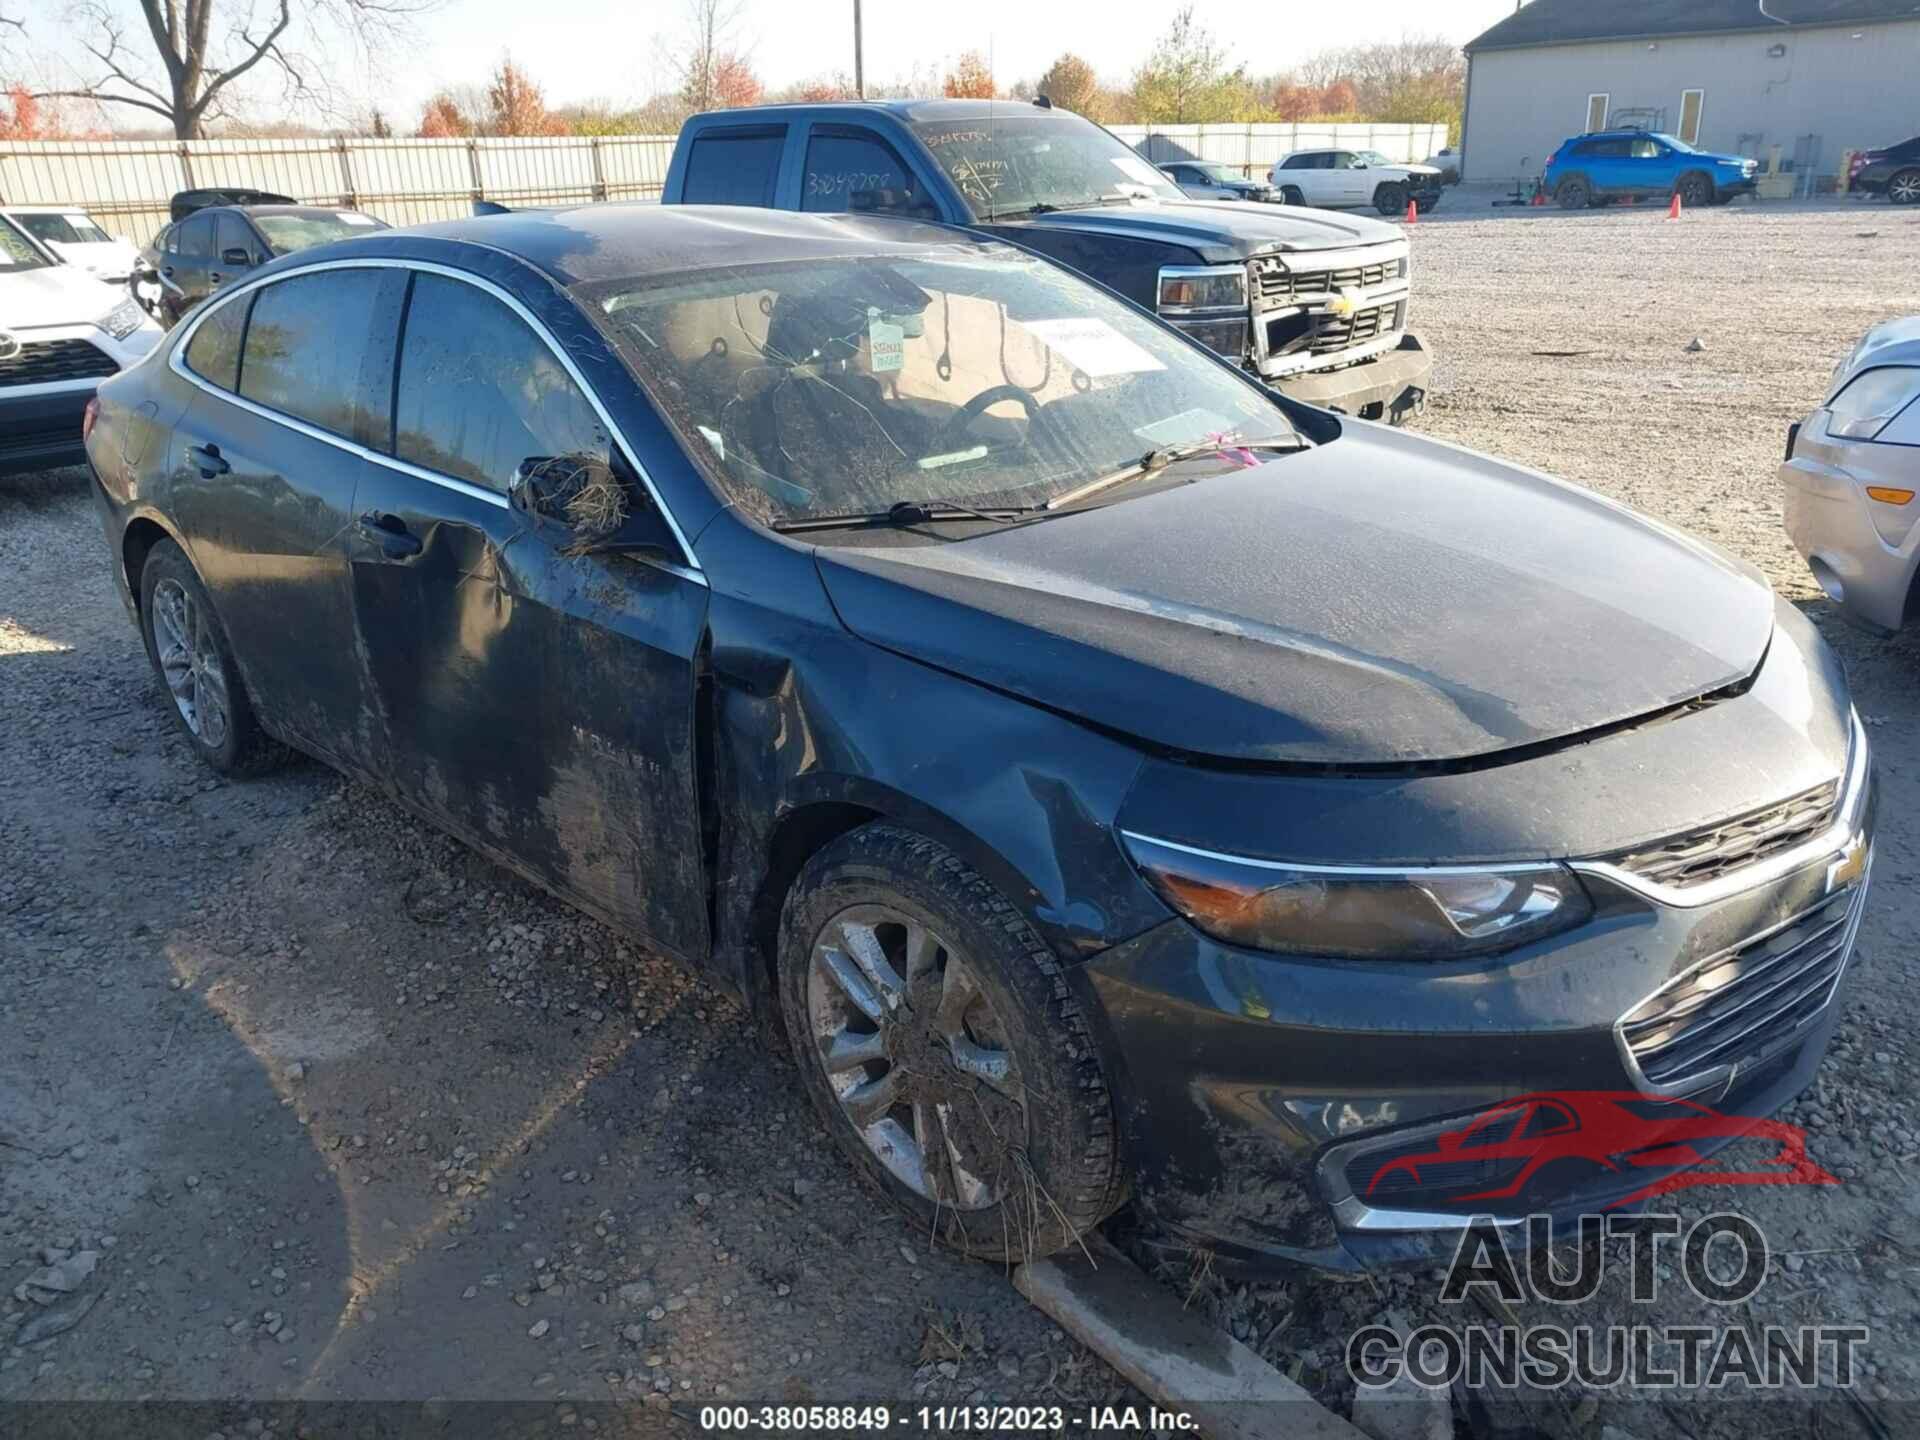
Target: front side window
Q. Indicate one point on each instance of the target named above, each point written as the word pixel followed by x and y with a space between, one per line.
pixel 290 233
pixel 320 346
pixel 734 167
pixel 841 163
pixel 17 252
pixel 1026 164
pixel 821 388
pixel 1646 149
pixel 232 234
pixel 481 395
pixel 214 351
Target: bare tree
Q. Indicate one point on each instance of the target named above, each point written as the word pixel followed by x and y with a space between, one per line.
pixel 706 54
pixel 203 47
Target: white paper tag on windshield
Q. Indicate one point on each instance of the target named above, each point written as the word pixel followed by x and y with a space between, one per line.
pixel 886 344
pixel 347 217
pixel 1134 168
pixel 1093 346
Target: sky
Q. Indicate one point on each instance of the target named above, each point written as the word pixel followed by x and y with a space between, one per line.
pixel 584 50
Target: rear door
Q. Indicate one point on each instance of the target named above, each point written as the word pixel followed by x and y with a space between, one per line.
pixel 292 377
pixel 541 703
pixel 734 165
pixel 185 273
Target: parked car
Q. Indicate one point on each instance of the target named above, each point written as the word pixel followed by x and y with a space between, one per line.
pixel 1203 180
pixel 61 333
pixel 75 237
pixel 1851 476
pixel 1315 304
pixel 1446 161
pixel 1633 164
pixel 1355 180
pixel 219 235
pixel 816 598
pixel 1893 172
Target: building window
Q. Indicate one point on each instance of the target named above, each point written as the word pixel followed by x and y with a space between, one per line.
pixel 1691 102
pixel 1596 112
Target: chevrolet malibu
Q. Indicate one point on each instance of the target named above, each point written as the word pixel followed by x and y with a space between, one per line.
pixel 1113 779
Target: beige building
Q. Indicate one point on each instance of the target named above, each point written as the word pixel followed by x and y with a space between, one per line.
pixel 1815 77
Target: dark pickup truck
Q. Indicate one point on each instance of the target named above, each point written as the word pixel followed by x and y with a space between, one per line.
pixel 1312 301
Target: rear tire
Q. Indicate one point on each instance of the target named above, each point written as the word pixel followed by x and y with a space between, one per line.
pixel 1573 193
pixel 943 1048
pixel 1904 188
pixel 194 663
pixel 1390 199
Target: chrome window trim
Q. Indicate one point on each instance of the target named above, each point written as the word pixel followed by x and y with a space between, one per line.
pixel 689 566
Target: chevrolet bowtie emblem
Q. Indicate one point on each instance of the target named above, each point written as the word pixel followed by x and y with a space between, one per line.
pixel 1344 303
pixel 1849 866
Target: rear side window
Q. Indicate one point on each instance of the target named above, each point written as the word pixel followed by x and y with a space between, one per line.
pixel 320 348
pixel 193 240
pixel 214 352
pixel 734 167
pixel 481 394
pixel 843 161
pixel 1298 162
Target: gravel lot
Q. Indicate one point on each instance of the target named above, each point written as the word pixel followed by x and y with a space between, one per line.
pixel 342 1111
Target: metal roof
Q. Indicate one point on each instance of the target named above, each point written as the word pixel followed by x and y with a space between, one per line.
pixel 1567 22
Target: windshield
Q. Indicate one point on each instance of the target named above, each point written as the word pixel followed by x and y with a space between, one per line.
pixel 1219 173
pixel 288 233
pixel 1025 163
pixel 70 229
pixel 1676 143
pixel 17 252
pixel 968 377
pixel 1371 158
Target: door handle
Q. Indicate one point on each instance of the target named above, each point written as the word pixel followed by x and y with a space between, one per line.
pixel 215 276
pixel 207 460
pixel 167 270
pixel 390 533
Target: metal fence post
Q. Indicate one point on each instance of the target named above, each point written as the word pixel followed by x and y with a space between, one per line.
pixel 599 171
pixel 349 194
pixel 473 166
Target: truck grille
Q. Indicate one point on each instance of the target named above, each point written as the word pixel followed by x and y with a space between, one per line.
pixel 1747 1002
pixel 1277 285
pixel 42 361
pixel 1335 333
pixel 1708 854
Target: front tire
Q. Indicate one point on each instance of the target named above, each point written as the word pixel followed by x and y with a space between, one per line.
pixel 194 663
pixel 1390 199
pixel 1904 188
pixel 943 1049
pixel 1695 190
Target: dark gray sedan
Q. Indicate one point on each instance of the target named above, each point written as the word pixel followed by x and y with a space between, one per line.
pixel 1203 180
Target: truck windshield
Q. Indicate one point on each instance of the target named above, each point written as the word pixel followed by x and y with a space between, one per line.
pixel 1026 163
pixel 951 377
pixel 17 252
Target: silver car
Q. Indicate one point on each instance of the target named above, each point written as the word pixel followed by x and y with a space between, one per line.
pixel 1851 477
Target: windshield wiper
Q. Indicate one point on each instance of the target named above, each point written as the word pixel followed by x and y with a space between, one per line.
pixel 1047 207
pixel 1160 457
pixel 909 512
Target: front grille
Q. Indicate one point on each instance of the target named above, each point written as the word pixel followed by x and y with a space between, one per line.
pixel 1708 854
pixel 1740 1005
pixel 1338 333
pixel 1277 285
pixel 42 361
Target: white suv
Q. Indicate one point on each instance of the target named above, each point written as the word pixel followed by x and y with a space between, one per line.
pixel 61 333
pixel 1354 180
pixel 76 237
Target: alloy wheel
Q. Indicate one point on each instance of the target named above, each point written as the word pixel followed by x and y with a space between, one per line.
pixel 917 1056
pixel 1904 188
pixel 190 662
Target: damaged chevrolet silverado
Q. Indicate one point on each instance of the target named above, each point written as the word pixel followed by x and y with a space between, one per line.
pixel 1313 302
pixel 1114 780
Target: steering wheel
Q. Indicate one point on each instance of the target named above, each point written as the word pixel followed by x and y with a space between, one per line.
pixel 978 406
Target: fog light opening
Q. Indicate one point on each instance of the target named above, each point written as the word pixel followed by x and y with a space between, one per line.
pixel 1831 583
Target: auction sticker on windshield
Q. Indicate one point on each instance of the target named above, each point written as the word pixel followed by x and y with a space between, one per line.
pixel 1093 346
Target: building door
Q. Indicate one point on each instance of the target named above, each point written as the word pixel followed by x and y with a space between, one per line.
pixel 1691 102
pixel 1596 113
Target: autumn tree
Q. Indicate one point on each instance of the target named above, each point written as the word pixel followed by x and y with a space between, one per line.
pixel 970 78
pixel 515 105
pixel 1071 84
pixel 706 60
pixel 443 119
pixel 1186 78
pixel 836 86
pixel 734 83
pixel 20 115
pixel 181 59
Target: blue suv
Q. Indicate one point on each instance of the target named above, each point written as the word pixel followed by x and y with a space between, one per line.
pixel 1629 164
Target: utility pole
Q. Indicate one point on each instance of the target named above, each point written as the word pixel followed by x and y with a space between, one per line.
pixel 859 63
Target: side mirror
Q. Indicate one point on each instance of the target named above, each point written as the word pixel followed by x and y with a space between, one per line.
pixel 589 500
pixel 236 258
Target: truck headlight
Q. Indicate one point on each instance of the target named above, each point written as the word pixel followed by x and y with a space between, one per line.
pixel 1412 913
pixel 1871 400
pixel 1202 289
pixel 123 319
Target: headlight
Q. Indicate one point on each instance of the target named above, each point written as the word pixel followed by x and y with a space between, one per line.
pixel 1199 289
pixel 1415 913
pixel 1871 400
pixel 123 319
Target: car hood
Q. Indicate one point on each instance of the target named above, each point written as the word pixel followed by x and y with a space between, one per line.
pixel 1221 234
pixel 1419 169
pixel 115 255
pixel 56 295
pixel 1377 601
pixel 1891 342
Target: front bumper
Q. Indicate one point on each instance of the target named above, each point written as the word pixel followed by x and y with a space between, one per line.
pixel 1864 553
pixel 1261 1095
pixel 1390 386
pixel 42 431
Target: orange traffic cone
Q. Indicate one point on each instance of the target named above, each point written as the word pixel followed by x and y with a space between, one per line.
pixel 1413 212
pixel 1673 210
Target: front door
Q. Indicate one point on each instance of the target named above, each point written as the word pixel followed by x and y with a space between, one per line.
pixel 541 703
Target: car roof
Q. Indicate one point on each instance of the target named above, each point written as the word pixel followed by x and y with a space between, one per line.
pixel 626 240
pixel 297 211
pixel 908 110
